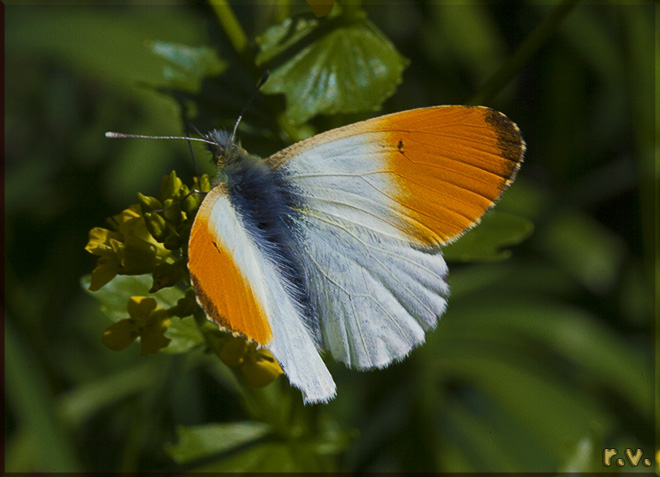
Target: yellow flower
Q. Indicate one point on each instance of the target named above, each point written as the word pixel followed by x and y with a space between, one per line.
pixel 104 243
pixel 256 364
pixel 260 368
pixel 233 351
pixel 176 208
pixel 100 241
pixel 148 321
pixel 128 250
pixel 130 223
pixel 142 240
pixel 121 334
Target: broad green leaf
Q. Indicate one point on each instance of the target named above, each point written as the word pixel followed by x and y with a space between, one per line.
pixel 183 332
pixel 115 295
pixel 485 241
pixel 206 440
pixel 184 335
pixel 188 64
pixel 342 65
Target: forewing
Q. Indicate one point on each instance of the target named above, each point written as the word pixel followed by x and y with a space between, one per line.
pixel 240 288
pixel 377 199
pixel 424 175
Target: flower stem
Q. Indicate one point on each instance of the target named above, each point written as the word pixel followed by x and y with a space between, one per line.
pixel 230 24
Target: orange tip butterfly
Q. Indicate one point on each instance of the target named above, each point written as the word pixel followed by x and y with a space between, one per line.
pixel 333 244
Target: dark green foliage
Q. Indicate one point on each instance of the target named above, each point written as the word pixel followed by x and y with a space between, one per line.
pixel 544 357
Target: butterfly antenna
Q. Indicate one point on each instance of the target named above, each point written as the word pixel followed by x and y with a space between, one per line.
pixel 263 79
pixel 116 135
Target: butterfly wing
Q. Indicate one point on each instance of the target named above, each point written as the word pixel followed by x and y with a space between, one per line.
pixel 373 202
pixel 241 288
pixel 377 199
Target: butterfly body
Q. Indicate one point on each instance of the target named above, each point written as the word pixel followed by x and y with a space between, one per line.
pixel 334 243
pixel 262 197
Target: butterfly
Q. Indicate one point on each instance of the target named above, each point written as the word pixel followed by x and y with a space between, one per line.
pixel 333 245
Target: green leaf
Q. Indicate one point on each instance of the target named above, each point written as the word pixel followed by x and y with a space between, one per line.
pixel 184 335
pixel 525 357
pixel 31 402
pixel 484 242
pixel 83 38
pixel 506 326
pixel 188 65
pixel 540 402
pixel 197 442
pixel 77 405
pixel 114 296
pixel 268 457
pixel 343 65
pixel 468 433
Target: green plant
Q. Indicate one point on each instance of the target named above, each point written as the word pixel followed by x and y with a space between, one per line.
pixel 541 361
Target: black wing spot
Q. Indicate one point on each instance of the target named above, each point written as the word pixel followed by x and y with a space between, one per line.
pixel 509 140
pixel 400 146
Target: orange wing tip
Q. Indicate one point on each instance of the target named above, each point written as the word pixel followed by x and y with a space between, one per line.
pixel 453 163
pixel 221 289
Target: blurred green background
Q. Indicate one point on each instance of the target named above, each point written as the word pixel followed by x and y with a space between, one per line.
pixel 541 361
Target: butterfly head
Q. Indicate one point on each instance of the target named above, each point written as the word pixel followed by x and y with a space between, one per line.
pixel 223 147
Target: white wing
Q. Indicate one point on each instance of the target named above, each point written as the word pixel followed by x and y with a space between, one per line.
pixel 377 199
pixel 375 294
